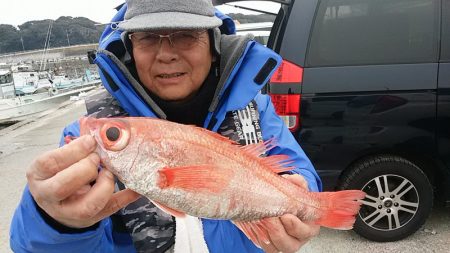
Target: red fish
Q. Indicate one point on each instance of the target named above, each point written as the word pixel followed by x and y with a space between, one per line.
pixel 189 170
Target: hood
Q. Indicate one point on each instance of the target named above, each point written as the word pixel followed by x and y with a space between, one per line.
pixel 245 66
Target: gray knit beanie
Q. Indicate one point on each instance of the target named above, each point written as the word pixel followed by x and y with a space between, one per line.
pixel 142 15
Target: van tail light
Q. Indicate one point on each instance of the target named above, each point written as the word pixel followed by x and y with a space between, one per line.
pixel 287 72
pixel 287 106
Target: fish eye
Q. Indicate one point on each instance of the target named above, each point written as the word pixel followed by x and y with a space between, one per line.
pixel 115 135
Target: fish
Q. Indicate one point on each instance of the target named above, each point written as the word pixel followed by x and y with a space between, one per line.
pixel 184 169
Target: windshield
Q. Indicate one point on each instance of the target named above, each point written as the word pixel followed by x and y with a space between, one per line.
pixel 6 78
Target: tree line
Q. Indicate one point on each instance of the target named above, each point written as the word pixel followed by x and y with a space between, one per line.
pixel 32 35
pixel 69 31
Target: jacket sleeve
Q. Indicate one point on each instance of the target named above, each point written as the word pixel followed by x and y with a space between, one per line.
pixel 30 233
pixel 273 127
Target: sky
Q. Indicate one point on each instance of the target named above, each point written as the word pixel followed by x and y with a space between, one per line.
pixel 17 12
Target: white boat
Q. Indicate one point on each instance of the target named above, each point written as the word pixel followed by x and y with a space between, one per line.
pixel 16 109
pixel 28 81
pixel 62 82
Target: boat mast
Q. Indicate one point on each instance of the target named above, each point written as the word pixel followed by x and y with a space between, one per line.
pixel 46 47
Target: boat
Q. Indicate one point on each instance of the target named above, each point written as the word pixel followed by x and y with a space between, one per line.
pixel 13 110
pixel 63 82
pixel 29 81
pixel 25 92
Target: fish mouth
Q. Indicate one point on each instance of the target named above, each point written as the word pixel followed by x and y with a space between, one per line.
pixel 85 122
pixel 91 126
pixel 105 161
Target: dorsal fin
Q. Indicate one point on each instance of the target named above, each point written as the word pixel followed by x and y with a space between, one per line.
pixel 274 160
pixel 277 163
pixel 260 148
pixel 216 135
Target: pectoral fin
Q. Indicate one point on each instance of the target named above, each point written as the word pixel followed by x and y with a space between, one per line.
pixel 198 177
pixel 277 163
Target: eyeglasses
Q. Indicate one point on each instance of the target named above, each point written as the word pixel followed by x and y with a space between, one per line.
pixel 179 40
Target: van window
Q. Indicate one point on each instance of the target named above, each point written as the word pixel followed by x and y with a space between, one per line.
pixel 445 46
pixel 364 32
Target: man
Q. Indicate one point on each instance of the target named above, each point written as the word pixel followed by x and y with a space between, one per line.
pixel 168 60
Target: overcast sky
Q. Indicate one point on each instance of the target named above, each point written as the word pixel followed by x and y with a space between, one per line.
pixel 17 12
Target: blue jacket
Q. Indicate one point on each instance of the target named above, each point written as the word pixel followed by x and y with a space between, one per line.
pixel 29 231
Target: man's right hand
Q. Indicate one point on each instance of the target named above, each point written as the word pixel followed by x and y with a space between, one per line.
pixel 60 182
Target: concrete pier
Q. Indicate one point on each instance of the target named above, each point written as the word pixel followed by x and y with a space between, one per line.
pixel 19 145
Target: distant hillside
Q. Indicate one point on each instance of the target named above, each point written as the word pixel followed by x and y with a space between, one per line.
pixel 242 18
pixel 65 30
pixel 71 30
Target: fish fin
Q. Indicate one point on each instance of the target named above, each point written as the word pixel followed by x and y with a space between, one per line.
pixel 197 177
pixel 260 148
pixel 256 231
pixel 340 208
pixel 169 210
pixel 216 135
pixel 277 163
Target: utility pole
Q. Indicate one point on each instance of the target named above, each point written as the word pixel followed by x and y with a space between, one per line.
pixel 21 40
pixel 68 41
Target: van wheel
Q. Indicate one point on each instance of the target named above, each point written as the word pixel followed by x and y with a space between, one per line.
pixel 399 197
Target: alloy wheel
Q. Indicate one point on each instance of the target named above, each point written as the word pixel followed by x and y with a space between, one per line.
pixel 391 202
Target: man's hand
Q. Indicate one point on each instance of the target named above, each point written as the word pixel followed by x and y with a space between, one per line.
pixel 288 233
pixel 60 182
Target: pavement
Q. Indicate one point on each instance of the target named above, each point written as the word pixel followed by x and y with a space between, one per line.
pixel 19 145
pixel 22 142
pixel 433 237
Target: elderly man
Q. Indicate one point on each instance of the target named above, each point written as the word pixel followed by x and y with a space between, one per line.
pixel 167 59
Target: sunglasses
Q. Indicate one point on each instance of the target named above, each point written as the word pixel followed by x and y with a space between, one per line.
pixel 179 40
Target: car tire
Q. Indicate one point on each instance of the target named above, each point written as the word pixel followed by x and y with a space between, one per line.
pixel 398 212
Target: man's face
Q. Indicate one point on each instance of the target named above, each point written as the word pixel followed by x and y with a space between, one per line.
pixel 172 72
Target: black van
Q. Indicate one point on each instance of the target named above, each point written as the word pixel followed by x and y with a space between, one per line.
pixel 365 89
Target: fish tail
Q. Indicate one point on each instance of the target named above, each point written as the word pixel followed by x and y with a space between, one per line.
pixel 338 209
